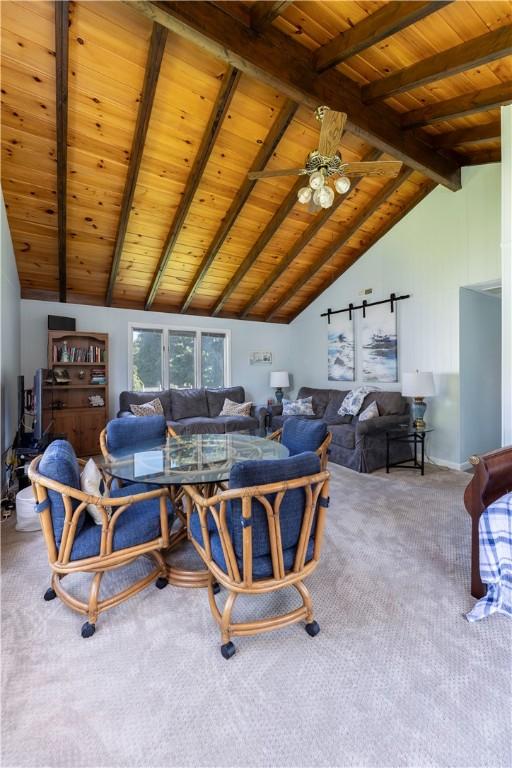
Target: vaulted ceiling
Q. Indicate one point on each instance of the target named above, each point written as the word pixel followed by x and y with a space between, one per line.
pixel 129 128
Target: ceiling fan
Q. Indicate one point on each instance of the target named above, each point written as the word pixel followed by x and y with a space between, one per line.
pixel 326 161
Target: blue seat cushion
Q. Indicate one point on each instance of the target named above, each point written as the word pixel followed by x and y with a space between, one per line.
pixel 261 566
pixel 245 474
pixel 301 435
pixel 136 525
pixel 124 432
pixel 250 473
pixel 59 463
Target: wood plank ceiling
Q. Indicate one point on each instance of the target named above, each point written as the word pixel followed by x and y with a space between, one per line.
pixel 128 130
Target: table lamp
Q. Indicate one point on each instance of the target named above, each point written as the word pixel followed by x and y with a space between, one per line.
pixel 418 385
pixel 278 380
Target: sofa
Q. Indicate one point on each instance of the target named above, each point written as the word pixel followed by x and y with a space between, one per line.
pixel 358 445
pixel 197 411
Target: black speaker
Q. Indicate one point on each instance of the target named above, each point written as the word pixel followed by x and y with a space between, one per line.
pixel 58 323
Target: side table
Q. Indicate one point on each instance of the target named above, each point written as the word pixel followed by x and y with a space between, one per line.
pixel 414 437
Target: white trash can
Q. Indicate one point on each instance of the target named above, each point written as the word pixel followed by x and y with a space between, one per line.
pixel 27 519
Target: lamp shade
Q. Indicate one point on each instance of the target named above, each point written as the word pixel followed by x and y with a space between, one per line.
pixel 279 379
pixel 418 384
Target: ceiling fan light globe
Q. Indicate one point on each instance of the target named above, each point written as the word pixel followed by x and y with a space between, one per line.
pixel 316 180
pixel 327 195
pixel 304 195
pixel 316 197
pixel 324 197
pixel 342 185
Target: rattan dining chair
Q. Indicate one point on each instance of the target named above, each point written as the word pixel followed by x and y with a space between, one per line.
pixel 261 535
pixel 135 522
pixel 300 435
pixel 126 431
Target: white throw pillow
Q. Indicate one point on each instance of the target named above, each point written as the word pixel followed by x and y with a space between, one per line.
pixel 352 403
pixel 90 482
pixel 231 408
pixel 369 413
pixel 153 408
pixel 301 407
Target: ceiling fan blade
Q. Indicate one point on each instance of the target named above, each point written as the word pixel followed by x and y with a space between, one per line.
pixel 377 168
pixel 333 125
pixel 287 172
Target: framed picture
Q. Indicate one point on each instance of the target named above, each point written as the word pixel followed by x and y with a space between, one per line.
pixel 379 358
pixel 340 355
pixel 260 358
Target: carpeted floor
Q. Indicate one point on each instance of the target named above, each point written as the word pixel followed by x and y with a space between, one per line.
pixel 396 677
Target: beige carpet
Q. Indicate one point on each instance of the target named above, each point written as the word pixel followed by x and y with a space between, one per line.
pixel 395 678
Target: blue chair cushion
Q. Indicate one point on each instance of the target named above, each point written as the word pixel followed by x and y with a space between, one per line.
pixel 136 525
pixel 301 435
pixel 123 432
pixel 250 473
pixel 245 474
pixel 261 566
pixel 59 463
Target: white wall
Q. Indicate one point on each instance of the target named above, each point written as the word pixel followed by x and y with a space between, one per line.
pixel 480 372
pixel 506 273
pixel 449 240
pixel 10 336
pixel 245 337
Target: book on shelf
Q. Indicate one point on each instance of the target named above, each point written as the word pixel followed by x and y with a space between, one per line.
pixel 98 376
pixel 92 354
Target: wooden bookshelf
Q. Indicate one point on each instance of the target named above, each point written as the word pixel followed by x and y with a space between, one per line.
pixel 87 374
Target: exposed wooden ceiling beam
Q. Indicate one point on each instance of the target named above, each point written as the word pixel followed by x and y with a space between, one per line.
pixel 61 100
pixel 299 245
pixel 261 243
pixel 282 63
pixel 422 193
pixel 391 18
pixel 268 147
pixel 235 8
pixel 363 216
pixel 467 135
pixel 264 12
pixel 226 93
pixel 460 106
pixel 153 63
pixel 483 157
pixel 473 53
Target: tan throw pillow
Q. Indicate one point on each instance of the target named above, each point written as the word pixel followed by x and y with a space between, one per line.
pixel 235 409
pixel 371 412
pixel 90 482
pixel 153 408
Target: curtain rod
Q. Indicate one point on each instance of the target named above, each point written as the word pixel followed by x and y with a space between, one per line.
pixel 351 307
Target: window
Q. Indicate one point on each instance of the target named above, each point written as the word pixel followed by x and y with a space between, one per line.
pixel 177 357
pixel 182 358
pixel 212 359
pixel 147 359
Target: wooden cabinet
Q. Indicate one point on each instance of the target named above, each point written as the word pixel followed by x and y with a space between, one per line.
pixel 81 427
pixel 64 425
pixel 78 371
pixel 89 427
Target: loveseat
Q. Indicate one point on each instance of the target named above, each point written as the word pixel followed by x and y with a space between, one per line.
pixel 197 411
pixel 359 445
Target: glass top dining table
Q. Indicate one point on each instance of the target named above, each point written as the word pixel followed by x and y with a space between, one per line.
pixel 189 459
